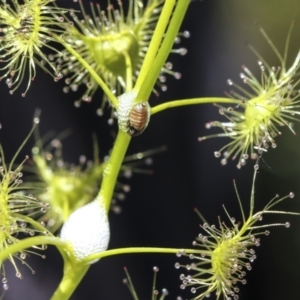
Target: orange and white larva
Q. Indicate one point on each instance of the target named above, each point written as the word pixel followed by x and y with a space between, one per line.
pixel 133 119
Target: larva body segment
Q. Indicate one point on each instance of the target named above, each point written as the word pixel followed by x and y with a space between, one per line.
pixel 132 118
pixel 138 118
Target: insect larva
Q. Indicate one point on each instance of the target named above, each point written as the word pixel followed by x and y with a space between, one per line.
pixel 138 118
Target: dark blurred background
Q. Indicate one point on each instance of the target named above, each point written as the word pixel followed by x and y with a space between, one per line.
pixel 158 210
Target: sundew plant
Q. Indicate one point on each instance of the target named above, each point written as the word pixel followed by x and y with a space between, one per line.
pixel 143 135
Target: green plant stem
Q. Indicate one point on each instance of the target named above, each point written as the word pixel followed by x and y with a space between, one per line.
pixel 36 225
pixel 128 79
pixel 92 72
pixel 155 42
pixel 144 88
pixel 112 168
pixel 73 274
pixel 33 241
pixel 132 250
pixel 193 101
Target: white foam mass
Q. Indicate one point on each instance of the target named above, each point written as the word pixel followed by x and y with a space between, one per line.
pixel 124 108
pixel 87 229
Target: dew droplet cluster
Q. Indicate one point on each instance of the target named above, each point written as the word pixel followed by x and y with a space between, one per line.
pixel 18 207
pixel 225 254
pixel 269 103
pixel 102 38
pixel 156 294
pixel 24 29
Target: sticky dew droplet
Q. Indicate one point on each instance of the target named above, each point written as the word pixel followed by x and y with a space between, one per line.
pixel 223 161
pixel 217 154
pixel 155 269
pixel 99 112
pixel 186 34
pixel 287 224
